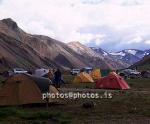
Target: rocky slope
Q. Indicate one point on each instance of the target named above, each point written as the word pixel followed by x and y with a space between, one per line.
pixel 20 49
pixel 143 64
pixel 96 58
pixel 33 51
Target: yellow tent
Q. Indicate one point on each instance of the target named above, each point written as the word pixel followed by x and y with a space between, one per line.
pixel 96 74
pixel 83 77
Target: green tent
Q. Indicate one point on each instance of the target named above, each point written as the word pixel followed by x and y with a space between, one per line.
pixel 105 72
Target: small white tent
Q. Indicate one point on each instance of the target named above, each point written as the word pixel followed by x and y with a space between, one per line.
pixel 41 72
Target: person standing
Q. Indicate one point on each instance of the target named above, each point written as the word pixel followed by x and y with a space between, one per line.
pixel 51 75
pixel 57 78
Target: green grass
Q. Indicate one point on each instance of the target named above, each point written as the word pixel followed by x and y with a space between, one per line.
pixel 1 80
pixel 131 104
pixel 124 104
pixel 68 78
pixel 83 85
pixel 121 106
pixel 25 114
pixel 144 67
pixel 139 84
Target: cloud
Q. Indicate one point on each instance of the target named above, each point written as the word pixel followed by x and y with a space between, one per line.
pixel 147 42
pixel 86 38
pixel 111 24
pixel 134 39
pixel 92 1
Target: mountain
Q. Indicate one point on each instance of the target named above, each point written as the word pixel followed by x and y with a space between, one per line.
pixel 147 51
pixel 143 64
pixel 96 58
pixel 21 49
pixel 129 56
pixel 13 52
pixel 24 50
pixel 82 49
pixel 100 51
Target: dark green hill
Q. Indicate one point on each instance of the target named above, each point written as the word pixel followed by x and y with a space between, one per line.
pixel 143 64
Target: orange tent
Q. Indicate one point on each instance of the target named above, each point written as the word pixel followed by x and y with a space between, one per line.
pixel 24 89
pixel 112 81
pixel 95 74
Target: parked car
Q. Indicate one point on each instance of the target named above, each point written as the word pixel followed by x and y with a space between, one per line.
pixel 16 71
pixel 145 74
pixel 129 73
pixel 75 71
pixel 19 71
pixel 87 69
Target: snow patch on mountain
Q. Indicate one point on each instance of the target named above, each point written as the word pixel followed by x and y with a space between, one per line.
pixel 117 53
pixel 105 54
pixel 129 56
pixel 100 51
pixel 133 52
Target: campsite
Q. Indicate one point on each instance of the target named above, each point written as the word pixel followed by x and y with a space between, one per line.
pixel 74 62
pixel 129 106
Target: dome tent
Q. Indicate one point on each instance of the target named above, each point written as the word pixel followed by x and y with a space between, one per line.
pixel 83 77
pixel 112 81
pixel 41 72
pixel 95 74
pixel 22 89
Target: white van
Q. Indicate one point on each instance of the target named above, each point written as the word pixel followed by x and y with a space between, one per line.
pixel 75 71
pixel 19 71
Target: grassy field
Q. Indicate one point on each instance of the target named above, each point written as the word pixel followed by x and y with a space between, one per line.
pixel 125 107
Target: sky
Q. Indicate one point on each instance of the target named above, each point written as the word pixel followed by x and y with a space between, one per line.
pixel 112 25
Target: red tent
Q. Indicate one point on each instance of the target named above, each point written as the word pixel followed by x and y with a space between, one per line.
pixel 112 81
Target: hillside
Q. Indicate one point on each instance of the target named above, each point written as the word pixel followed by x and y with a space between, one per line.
pixel 96 58
pixel 20 49
pixel 31 51
pixel 143 64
